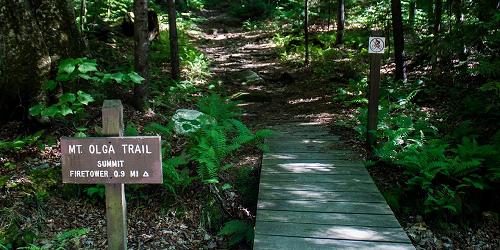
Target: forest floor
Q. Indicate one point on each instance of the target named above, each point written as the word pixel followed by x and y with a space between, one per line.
pixel 271 92
pixel 280 93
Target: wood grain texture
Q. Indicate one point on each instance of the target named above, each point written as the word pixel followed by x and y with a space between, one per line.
pixel 332 231
pixel 325 206
pixel 298 195
pixel 340 219
pixel 314 194
pixel 272 242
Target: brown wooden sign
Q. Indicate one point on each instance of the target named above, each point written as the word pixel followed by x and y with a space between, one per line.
pixel 111 160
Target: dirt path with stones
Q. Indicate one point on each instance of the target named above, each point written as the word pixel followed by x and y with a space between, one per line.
pixel 270 91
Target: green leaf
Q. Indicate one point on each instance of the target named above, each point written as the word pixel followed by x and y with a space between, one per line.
pixel 65 110
pixel 118 77
pixel 49 85
pixel 87 66
pixel 63 77
pixel 84 98
pixel 135 78
pixel 67 98
pixel 50 111
pixel 80 135
pixel 211 181
pixel 67 65
pixel 89 77
pixel 226 186
pixel 36 110
pixel 131 129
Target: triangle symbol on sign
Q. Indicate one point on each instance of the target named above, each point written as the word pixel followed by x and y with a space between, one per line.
pixel 145 174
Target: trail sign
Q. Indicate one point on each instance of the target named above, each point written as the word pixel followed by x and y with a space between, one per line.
pixel 376 45
pixel 114 161
pixel 111 160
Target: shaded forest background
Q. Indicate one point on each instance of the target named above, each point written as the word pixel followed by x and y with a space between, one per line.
pixel 437 158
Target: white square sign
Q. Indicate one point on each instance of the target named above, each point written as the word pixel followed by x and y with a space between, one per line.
pixel 376 44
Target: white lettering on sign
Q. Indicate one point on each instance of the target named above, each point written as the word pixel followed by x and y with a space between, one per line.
pixel 72 149
pixel 134 173
pixel 88 173
pixel 109 149
pixel 135 149
pixel 110 164
pixel 112 160
pixel 376 45
pixel 101 149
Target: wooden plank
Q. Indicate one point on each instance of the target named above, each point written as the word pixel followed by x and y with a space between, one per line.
pixel 313 128
pixel 325 148
pixel 320 187
pixel 291 137
pixel 333 155
pixel 335 162
pixel 273 242
pixel 303 135
pixel 301 141
pixel 292 143
pixel 332 232
pixel 312 170
pixel 340 219
pixel 301 178
pixel 325 206
pixel 298 195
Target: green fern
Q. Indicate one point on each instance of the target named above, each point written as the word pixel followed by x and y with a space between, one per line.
pixel 237 231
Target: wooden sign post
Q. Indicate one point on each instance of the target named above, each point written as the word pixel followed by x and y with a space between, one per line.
pixel 376 47
pixel 112 161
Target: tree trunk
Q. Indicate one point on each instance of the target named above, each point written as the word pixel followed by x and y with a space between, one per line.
pixel 397 26
pixel 340 22
pixel 438 12
pixel 141 51
pixel 34 35
pixel 411 14
pixel 329 16
pixel 456 6
pixel 174 44
pixel 83 15
pixel 306 31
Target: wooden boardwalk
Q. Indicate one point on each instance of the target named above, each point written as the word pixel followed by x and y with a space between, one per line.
pixel 313 196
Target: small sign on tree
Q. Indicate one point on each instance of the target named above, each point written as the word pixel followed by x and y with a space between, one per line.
pixel 376 45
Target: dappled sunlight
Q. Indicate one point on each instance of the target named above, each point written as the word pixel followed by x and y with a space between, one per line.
pixel 352 233
pixel 258 65
pixel 322 168
pixel 346 244
pixel 282 156
pixel 304 100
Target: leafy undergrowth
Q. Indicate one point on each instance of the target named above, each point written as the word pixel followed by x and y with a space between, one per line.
pixel 437 165
pixel 210 164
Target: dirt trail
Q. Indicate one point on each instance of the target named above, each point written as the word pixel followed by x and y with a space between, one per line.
pixel 284 93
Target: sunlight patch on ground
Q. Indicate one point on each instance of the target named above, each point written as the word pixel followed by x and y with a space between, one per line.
pixel 245 104
pixel 254 65
pixel 304 100
pixel 351 233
